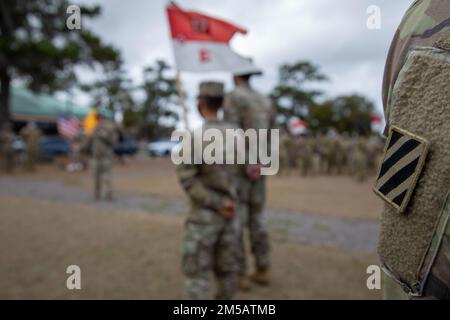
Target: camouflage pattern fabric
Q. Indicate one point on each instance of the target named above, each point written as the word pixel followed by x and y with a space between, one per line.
pixel 422 26
pixel 415 98
pixel 101 143
pixel 305 159
pixel 286 153
pixel 360 159
pixel 206 248
pixel 248 109
pixel 210 241
pixel 103 176
pixel 438 284
pixel 103 140
pixel 7 149
pixel 31 135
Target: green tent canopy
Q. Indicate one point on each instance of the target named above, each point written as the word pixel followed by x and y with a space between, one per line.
pixel 27 105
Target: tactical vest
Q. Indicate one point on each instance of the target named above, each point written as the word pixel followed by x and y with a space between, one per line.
pixel 414 176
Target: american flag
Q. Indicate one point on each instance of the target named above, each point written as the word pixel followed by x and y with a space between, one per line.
pixel 68 127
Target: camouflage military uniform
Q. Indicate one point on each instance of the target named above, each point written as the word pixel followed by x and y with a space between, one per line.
pixel 286 153
pixel 316 155
pixel 305 158
pixel 210 241
pixel 250 110
pixel 76 155
pixel 31 135
pixel 415 244
pixel 101 144
pixel 7 147
pixel 360 161
pixel 339 150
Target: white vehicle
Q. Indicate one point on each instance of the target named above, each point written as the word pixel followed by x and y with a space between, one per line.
pixel 161 148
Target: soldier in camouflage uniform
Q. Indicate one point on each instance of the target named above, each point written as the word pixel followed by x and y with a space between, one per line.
pixel 7 147
pixel 32 136
pixel 101 144
pixel 211 230
pixel 76 155
pixel 339 149
pixel 414 243
pixel 305 155
pixel 287 146
pixel 250 110
pixel 316 156
pixel 359 159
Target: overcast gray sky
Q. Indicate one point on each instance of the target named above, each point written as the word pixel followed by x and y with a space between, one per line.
pixel 332 34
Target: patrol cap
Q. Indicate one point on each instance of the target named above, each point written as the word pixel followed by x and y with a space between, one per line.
pixel 213 89
pixel 249 72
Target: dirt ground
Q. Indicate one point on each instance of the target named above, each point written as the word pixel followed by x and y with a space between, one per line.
pixel 128 251
pixel 338 196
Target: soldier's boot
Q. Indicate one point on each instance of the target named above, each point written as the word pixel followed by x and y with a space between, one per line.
pixel 244 283
pixel 261 277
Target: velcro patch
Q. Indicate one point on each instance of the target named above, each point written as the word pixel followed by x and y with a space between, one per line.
pixel 403 160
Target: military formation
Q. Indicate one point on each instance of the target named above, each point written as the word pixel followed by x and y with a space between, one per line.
pixel 248 109
pixel 412 165
pixel 7 139
pixel 332 154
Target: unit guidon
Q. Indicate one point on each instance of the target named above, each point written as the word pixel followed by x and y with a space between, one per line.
pixel 403 160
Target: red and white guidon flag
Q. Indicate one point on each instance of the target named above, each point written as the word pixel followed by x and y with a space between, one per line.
pixel 201 43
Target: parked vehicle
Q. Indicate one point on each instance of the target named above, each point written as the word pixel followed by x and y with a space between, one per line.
pixel 52 146
pixel 126 146
pixel 161 148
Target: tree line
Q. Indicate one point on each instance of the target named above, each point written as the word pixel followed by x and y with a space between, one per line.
pixel 38 50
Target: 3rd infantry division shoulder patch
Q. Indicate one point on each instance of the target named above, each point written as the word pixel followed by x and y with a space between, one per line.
pixel 403 160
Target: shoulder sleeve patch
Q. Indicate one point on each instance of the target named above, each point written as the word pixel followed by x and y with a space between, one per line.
pixel 402 162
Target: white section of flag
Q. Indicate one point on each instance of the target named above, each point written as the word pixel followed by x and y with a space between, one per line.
pixel 202 56
pixel 296 126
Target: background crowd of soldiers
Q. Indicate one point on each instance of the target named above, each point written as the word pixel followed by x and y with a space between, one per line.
pixel 31 135
pixel 333 154
pixel 99 144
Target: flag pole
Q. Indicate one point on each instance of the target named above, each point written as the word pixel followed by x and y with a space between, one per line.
pixel 182 100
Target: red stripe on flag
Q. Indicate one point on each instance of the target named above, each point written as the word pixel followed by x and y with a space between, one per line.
pixel 376 118
pixel 68 127
pixel 194 26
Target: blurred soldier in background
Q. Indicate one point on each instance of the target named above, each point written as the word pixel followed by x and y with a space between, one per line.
pixel 101 144
pixel 76 154
pixel 359 159
pixel 414 242
pixel 7 147
pixel 250 110
pixel 212 227
pixel 375 151
pixel 316 156
pixel 286 152
pixel 31 136
pixel 322 150
pixel 305 155
pixel 339 149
